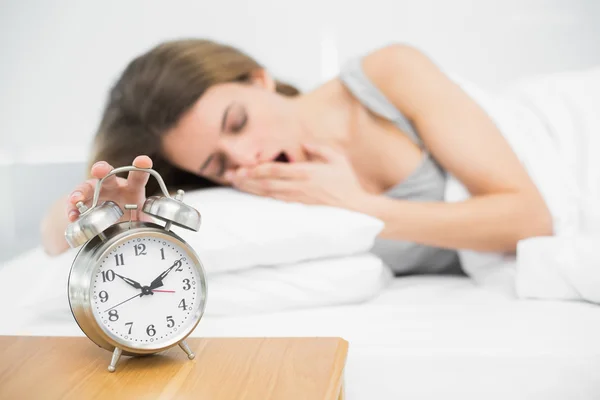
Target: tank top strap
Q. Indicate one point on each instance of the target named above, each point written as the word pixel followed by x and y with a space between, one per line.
pixel 354 78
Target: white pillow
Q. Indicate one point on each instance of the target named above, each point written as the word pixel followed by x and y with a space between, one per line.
pixel 40 282
pixel 240 230
pixel 317 283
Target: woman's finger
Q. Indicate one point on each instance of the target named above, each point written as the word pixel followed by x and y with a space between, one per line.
pixel 100 170
pixel 266 187
pixel 82 192
pixel 137 179
pixel 274 170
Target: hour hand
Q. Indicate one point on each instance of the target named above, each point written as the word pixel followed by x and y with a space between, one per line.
pixel 130 281
pixel 158 281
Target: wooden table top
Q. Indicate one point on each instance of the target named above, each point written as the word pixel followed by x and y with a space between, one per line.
pixel 224 368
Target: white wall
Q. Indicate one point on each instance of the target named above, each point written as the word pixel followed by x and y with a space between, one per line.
pixel 59 57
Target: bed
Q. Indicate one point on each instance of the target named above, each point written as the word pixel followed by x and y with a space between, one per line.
pixel 418 337
pixel 421 337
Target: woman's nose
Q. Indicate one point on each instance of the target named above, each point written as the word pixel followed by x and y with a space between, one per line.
pixel 243 156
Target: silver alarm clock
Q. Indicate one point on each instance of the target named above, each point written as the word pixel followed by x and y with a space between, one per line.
pixel 136 288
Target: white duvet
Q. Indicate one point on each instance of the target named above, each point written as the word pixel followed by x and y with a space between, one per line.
pixel 553 124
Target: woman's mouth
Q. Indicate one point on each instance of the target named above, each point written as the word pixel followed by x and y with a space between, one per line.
pixel 282 157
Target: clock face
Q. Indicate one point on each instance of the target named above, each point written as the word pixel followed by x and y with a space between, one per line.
pixel 147 291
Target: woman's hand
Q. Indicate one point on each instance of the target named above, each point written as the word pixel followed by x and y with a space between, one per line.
pixel 327 179
pixel 121 191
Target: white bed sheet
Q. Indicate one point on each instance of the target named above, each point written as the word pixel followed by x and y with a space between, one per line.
pixel 427 337
pixel 443 337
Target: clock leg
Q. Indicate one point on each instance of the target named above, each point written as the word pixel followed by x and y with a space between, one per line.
pixel 184 346
pixel 115 359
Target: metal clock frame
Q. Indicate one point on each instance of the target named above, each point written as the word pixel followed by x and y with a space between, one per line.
pixel 99 236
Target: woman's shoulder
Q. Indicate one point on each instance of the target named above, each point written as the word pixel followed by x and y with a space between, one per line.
pixel 383 62
pixel 390 59
pixel 401 72
pixel 372 78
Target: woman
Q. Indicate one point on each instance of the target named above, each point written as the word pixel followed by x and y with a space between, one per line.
pixel 380 139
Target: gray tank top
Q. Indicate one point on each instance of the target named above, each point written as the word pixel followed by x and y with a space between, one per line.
pixel 426 183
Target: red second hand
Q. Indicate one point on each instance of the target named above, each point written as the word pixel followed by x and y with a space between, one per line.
pixel 163 291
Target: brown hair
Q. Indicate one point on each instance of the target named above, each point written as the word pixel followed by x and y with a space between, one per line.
pixel 153 93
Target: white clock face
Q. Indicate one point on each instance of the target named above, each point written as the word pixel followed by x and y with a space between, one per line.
pixel 146 291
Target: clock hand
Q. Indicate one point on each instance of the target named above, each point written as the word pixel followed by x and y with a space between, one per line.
pixel 125 301
pixel 157 282
pixel 130 281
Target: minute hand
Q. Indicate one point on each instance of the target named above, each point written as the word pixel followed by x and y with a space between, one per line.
pixel 156 283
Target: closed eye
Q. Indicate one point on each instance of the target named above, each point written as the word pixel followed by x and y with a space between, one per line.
pixel 221 164
pixel 221 161
pixel 235 118
pixel 237 127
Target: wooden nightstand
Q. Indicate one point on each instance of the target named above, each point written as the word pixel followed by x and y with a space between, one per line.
pixel 224 368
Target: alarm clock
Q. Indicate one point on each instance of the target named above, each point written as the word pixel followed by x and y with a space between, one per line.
pixel 136 288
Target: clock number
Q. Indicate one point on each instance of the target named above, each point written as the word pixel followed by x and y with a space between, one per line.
pixel 179 264
pixel 103 296
pixel 182 304
pixel 186 284
pixel 119 259
pixel 108 275
pixel 162 254
pixel 130 326
pixel 170 322
pixel 150 330
pixel 140 249
pixel 113 315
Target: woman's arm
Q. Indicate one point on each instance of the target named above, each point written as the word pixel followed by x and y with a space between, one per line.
pixel 506 205
pixel 491 222
pixel 53 227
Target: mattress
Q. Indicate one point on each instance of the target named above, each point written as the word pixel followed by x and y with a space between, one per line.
pixel 423 337
pixel 443 337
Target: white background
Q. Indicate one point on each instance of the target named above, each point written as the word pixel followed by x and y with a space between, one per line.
pixel 59 58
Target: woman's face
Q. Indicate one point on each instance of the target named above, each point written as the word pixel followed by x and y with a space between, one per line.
pixel 235 125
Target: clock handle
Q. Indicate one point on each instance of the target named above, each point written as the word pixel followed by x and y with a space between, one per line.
pixel 152 172
pixel 169 209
